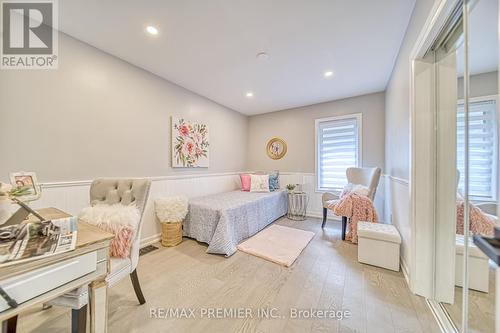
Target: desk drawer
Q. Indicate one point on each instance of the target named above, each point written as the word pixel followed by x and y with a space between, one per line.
pixel 32 284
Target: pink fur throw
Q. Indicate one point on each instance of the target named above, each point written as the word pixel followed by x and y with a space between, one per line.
pixel 480 223
pixel 357 207
pixel 120 220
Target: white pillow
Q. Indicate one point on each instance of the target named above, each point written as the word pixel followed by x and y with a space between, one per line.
pixel 259 183
pixel 356 188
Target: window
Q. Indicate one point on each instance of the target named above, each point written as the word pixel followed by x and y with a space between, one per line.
pixel 338 147
pixel 482 149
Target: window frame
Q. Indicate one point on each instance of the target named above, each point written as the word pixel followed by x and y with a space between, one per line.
pixel 495 168
pixel 317 122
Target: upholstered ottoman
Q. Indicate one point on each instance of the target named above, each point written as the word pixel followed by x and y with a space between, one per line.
pixel 378 245
pixel 478 266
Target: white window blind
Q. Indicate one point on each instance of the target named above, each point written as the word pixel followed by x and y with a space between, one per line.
pixel 338 148
pixel 482 149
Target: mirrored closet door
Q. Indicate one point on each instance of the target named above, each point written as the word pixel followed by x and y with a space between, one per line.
pixel 465 60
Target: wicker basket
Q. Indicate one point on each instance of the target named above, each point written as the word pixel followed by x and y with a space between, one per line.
pixel 171 233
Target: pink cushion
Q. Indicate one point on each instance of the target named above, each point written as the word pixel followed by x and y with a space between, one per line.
pixel 245 182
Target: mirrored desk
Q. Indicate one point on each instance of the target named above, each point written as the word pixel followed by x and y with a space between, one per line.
pixel 38 281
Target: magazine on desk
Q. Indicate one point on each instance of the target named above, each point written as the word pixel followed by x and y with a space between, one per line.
pixel 38 239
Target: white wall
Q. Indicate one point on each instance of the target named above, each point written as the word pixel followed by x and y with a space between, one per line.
pixel 99 116
pixel 397 131
pixel 484 84
pixel 296 127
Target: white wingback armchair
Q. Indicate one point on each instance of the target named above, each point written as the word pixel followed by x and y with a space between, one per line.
pixel 368 177
pixel 111 191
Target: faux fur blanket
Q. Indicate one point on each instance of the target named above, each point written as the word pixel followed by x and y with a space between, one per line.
pixel 480 223
pixel 120 220
pixel 357 208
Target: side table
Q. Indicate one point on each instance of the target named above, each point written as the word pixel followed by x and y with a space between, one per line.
pixel 297 206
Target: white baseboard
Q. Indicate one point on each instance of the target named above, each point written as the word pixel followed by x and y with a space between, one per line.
pixel 404 269
pixel 320 216
pixel 150 240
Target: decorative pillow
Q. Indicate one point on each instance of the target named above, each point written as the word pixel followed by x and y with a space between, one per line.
pixel 118 219
pixel 274 179
pixel 355 188
pixel 245 182
pixel 259 183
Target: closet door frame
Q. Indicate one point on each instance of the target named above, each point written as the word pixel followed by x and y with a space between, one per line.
pixel 426 182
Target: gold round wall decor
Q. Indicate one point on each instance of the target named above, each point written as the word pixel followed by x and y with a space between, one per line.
pixel 276 148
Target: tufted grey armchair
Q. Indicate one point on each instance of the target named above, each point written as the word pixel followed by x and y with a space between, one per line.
pixel 368 177
pixel 109 192
pixel 125 192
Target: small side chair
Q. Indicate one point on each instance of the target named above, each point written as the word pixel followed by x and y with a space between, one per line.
pixel 368 177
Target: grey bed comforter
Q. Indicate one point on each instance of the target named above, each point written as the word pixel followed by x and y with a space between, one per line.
pixel 223 220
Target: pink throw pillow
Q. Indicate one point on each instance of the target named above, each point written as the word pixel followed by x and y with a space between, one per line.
pixel 245 182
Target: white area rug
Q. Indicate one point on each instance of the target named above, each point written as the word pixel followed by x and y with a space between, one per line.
pixel 278 244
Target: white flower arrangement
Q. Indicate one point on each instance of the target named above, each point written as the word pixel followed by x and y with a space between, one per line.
pixel 172 209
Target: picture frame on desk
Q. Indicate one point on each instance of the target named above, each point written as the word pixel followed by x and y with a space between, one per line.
pixel 26 179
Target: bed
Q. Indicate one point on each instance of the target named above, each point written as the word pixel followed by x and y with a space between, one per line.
pixel 225 219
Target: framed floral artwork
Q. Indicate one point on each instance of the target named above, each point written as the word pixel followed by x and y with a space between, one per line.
pixel 190 144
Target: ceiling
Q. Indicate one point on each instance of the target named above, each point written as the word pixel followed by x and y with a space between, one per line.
pixel 210 47
pixel 483 41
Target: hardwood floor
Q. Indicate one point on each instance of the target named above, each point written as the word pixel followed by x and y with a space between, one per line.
pixel 325 276
pixel 481 307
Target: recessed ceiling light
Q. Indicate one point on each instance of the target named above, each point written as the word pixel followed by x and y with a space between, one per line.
pixel 262 56
pixel 249 94
pixel 152 30
pixel 328 73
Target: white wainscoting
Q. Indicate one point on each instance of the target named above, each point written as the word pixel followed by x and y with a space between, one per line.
pixel 397 212
pixel 73 196
pixel 307 181
pixel 315 207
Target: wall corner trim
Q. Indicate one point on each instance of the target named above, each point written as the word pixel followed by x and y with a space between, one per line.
pixel 398 180
pixel 154 178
